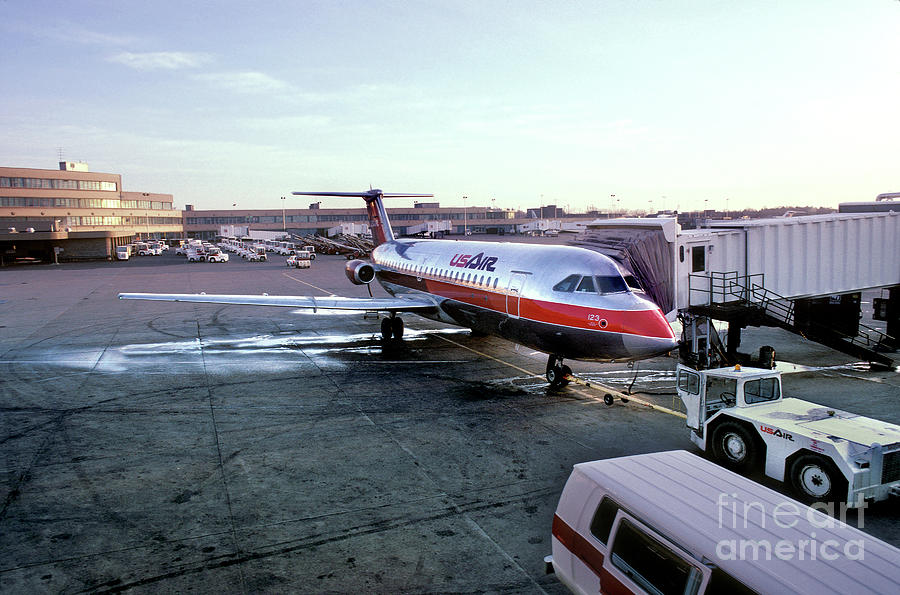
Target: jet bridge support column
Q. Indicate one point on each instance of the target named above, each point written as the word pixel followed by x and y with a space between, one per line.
pixel 889 310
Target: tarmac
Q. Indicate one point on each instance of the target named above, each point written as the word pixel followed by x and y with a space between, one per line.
pixel 153 446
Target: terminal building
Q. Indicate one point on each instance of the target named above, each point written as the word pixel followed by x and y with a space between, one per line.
pixel 208 224
pixel 72 213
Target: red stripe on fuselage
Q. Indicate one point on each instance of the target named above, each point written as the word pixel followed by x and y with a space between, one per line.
pixel 645 323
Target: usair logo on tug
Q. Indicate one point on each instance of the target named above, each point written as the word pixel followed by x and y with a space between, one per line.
pixel 479 262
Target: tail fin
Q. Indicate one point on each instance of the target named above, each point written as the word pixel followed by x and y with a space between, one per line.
pixel 378 218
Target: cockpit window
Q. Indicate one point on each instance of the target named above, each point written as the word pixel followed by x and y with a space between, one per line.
pixel 568 284
pixel 632 283
pixel 586 285
pixel 611 284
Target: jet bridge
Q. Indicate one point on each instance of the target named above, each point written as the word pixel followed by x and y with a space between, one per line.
pixel 804 274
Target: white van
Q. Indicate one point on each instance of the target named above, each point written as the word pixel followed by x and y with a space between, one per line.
pixel 123 252
pixel 673 522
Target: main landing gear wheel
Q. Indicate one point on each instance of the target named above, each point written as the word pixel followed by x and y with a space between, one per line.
pixel 557 373
pixel 392 327
pixel 397 327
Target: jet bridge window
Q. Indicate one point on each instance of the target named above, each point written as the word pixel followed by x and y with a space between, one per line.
pixel 762 390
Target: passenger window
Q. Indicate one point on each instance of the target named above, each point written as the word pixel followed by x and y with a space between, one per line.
pixel 586 285
pixel 603 519
pixel 652 564
pixel 760 391
pixel 611 284
pixel 495 282
pixel 568 284
pixel 689 382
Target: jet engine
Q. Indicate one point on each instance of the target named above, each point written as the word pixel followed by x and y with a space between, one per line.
pixel 359 272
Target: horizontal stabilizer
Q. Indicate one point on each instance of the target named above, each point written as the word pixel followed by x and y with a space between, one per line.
pixel 365 194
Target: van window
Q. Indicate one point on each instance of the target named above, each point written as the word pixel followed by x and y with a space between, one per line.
pixel 651 564
pixel 603 519
pixel 722 583
pixel 760 391
pixel 689 382
pixel 568 284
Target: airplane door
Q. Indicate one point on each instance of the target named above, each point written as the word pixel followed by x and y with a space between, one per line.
pixel 514 293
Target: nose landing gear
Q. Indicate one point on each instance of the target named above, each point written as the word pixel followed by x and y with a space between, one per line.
pixel 557 373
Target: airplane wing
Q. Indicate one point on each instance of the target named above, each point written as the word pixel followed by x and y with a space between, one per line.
pixel 395 304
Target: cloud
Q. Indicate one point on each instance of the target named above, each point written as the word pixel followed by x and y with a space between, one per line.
pixel 161 60
pixel 245 82
pixel 287 122
pixel 74 33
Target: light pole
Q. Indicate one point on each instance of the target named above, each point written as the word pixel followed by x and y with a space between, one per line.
pixel 283 220
pixel 465 216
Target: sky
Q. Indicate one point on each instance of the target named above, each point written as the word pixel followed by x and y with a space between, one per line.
pixel 669 104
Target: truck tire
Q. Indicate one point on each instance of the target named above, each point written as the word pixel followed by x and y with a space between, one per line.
pixel 816 479
pixel 734 447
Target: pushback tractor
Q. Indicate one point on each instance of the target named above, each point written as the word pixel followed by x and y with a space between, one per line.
pixel 740 416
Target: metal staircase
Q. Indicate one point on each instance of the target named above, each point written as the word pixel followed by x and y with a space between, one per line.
pixel 743 299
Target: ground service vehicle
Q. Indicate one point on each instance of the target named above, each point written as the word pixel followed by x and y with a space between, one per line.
pixel 305 256
pixel 256 254
pixel 123 252
pixel 311 250
pixel 195 255
pixel 296 261
pixel 216 255
pixel 285 248
pixel 673 522
pixel 824 454
pixel 143 249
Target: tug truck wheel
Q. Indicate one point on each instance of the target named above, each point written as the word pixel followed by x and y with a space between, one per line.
pixel 734 447
pixel 816 479
pixel 386 329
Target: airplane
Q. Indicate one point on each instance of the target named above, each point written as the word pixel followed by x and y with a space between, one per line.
pixel 567 301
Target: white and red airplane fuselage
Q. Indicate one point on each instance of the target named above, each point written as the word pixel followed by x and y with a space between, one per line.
pixel 568 301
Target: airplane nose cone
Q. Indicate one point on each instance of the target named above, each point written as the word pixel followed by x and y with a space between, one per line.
pixel 653 335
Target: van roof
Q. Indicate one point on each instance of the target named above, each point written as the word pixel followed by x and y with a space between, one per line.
pixel 701 506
